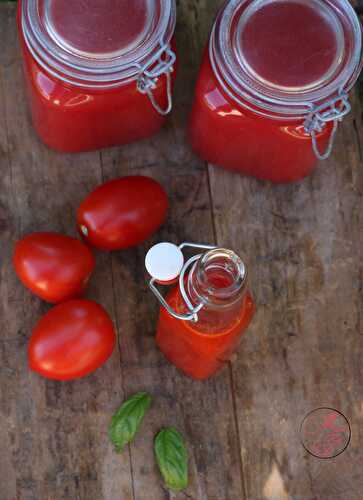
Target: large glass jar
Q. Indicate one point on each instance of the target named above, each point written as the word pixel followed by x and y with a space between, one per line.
pixel 98 73
pixel 273 85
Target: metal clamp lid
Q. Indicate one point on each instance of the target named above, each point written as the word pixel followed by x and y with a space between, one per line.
pixel 193 311
pixel 333 110
pixel 161 63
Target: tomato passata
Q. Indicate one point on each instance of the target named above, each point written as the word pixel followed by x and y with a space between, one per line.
pixel 72 340
pixel 53 266
pixel 122 213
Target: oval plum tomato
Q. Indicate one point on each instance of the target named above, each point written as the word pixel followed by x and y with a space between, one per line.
pixel 72 340
pixel 122 213
pixel 53 266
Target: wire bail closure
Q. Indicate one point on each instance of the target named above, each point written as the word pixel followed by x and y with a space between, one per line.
pixel 333 110
pixel 161 63
pixel 193 311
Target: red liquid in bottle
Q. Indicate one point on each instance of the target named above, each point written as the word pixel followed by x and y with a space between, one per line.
pixel 201 349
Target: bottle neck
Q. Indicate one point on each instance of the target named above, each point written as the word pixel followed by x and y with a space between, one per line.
pixel 217 280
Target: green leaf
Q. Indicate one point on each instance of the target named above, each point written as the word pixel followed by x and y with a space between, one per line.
pixel 127 420
pixel 172 458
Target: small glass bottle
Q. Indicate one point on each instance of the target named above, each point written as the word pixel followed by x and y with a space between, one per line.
pixel 203 317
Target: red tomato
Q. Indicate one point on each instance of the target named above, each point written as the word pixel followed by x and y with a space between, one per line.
pixel 72 340
pixel 53 266
pixel 122 213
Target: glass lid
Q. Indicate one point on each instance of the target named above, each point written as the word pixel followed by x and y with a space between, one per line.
pixel 293 46
pixel 96 40
pixel 95 28
pixel 282 55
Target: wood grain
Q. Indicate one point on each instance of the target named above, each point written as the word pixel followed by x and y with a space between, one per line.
pixel 201 411
pixel 55 433
pixel 303 244
pixel 64 449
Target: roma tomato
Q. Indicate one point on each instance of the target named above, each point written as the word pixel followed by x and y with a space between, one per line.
pixel 53 266
pixel 122 213
pixel 72 340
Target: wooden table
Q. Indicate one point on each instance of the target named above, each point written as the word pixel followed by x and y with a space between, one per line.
pixel 304 245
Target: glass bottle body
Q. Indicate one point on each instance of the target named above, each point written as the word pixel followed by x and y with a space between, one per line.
pixel 201 348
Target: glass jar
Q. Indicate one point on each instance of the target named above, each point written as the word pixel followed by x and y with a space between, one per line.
pixel 98 74
pixel 274 84
pixel 204 316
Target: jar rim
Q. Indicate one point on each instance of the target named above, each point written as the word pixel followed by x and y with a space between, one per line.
pixel 95 70
pixel 278 102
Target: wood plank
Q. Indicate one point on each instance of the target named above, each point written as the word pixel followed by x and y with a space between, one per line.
pixel 304 264
pixel 55 434
pixel 8 226
pixel 303 243
pixel 202 411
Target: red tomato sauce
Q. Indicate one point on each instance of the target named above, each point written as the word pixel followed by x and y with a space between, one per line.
pixel 200 350
pixel 268 53
pixel 70 118
pixel 225 134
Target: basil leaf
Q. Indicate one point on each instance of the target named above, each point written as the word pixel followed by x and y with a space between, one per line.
pixel 172 458
pixel 127 420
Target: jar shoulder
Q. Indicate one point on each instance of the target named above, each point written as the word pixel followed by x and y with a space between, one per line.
pixel 209 90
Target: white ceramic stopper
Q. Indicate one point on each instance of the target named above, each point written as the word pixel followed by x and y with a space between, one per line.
pixel 164 262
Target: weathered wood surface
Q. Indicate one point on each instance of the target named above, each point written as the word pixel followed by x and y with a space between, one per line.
pixel 304 246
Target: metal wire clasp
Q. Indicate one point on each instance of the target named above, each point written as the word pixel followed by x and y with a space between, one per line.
pixel 333 110
pixel 161 63
pixel 193 311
